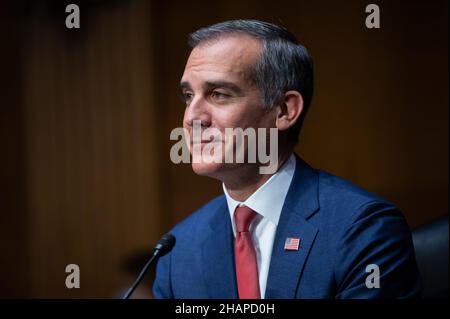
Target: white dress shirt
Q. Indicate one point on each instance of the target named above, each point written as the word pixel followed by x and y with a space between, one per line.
pixel 268 202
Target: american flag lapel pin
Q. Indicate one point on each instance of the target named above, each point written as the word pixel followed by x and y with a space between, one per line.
pixel 292 243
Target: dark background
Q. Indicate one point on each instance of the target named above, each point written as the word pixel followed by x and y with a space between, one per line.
pixel 85 118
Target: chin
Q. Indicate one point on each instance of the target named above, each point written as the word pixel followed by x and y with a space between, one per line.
pixel 208 169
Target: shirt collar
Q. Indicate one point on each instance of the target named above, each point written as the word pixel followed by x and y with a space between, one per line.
pixel 268 199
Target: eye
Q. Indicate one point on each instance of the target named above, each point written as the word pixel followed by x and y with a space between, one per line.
pixel 187 97
pixel 217 95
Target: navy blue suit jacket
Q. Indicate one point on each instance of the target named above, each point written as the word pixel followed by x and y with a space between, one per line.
pixel 342 228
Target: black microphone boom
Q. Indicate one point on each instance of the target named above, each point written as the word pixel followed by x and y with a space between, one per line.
pixel 164 245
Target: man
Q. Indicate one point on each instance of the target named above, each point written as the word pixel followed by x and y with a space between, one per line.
pixel 298 233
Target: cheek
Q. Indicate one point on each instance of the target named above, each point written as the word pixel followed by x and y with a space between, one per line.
pixel 224 118
pixel 256 117
pixel 239 114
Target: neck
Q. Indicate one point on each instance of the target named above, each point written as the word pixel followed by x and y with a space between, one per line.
pixel 247 180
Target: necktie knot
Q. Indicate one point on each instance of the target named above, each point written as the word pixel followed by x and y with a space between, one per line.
pixel 243 217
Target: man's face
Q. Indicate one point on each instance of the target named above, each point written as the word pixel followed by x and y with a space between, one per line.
pixel 217 92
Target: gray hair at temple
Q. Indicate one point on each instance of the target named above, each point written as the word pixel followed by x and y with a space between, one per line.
pixel 283 65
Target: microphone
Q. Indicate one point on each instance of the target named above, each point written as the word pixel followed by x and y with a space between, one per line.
pixel 163 246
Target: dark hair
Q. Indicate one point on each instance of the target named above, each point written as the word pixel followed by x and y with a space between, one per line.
pixel 283 65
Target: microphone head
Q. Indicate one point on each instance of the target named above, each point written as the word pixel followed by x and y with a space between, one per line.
pixel 165 244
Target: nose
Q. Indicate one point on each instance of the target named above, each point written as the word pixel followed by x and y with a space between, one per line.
pixel 197 110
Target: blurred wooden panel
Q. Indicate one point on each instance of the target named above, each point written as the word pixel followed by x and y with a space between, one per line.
pixel 14 275
pixel 93 173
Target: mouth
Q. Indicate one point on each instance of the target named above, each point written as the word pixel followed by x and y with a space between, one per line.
pixel 204 143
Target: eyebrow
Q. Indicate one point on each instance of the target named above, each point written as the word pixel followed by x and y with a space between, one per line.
pixel 209 85
pixel 185 85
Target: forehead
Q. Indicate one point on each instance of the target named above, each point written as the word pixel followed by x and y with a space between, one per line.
pixel 229 56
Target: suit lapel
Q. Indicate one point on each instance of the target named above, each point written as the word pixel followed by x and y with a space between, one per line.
pixel 218 256
pixel 301 202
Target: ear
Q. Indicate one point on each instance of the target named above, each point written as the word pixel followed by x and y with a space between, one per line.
pixel 289 110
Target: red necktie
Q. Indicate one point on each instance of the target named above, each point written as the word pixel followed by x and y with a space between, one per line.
pixel 246 266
